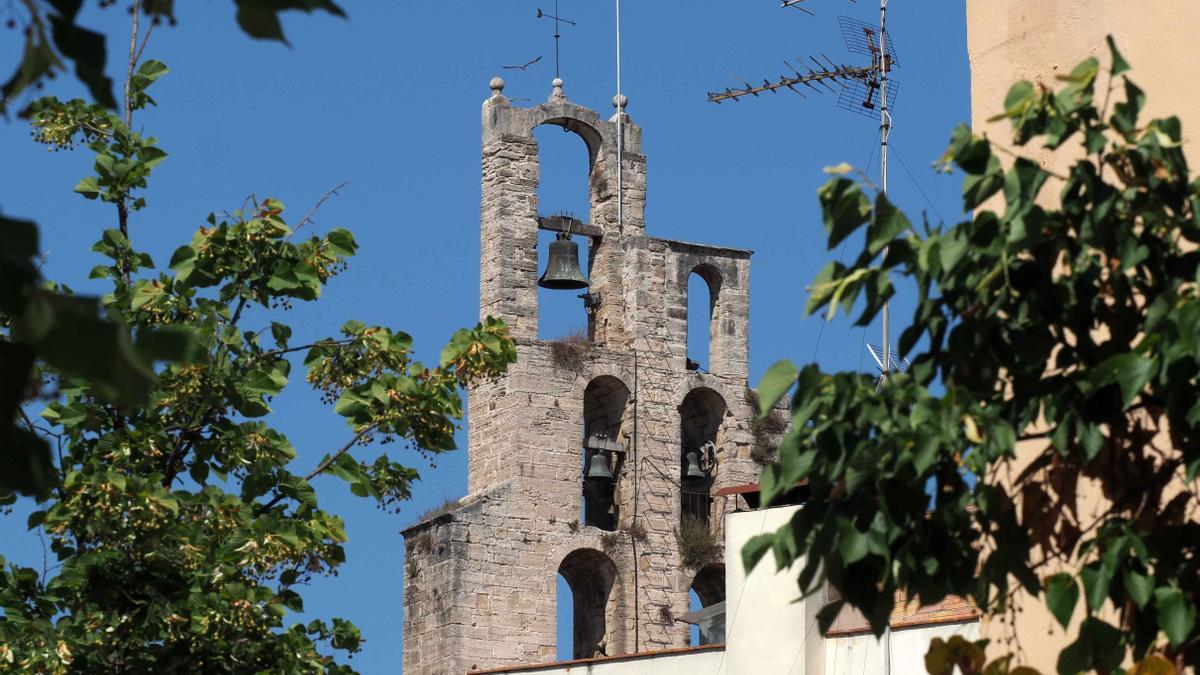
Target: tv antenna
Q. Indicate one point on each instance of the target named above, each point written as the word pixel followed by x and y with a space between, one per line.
pixel 798 4
pixel 865 90
pixel 557 19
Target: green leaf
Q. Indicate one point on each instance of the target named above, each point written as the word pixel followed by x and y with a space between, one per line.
pixel 778 379
pixel 1139 587
pixel 1176 615
pixel 755 549
pixel 88 187
pixel 1119 64
pixel 970 152
pixel 1125 114
pixel 888 223
pixel 1091 439
pixel 169 343
pixel 828 615
pixel 1097 578
pixel 1019 98
pixel 977 189
pixel 1062 594
pixel 342 242
pixel 852 544
pixel 152 69
pixel 87 49
pixel 18 238
pixel 28 467
pixel 844 208
pixel 260 18
pixel 1130 370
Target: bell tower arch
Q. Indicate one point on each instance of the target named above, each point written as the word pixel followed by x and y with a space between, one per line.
pixel 576 456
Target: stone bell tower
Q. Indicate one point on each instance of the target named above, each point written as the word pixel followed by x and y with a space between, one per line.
pixel 480 577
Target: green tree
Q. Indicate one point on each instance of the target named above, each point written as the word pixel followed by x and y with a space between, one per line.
pixel 53 38
pixel 1069 324
pixel 182 530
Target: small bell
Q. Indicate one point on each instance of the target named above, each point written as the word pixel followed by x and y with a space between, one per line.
pixel 562 266
pixel 598 468
pixel 691 466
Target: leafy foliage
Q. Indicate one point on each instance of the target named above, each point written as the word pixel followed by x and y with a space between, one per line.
pixel 1070 326
pixel 53 37
pixel 182 531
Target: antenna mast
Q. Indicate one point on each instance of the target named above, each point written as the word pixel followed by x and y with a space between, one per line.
pixel 862 86
pixel 885 128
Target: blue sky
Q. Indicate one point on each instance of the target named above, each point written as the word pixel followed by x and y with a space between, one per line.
pixel 389 100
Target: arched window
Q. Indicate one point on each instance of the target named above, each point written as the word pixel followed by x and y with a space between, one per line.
pixel 589 575
pixel 605 414
pixel 703 294
pixel 709 584
pixel 707 595
pixel 564 619
pixel 562 189
pixel 700 417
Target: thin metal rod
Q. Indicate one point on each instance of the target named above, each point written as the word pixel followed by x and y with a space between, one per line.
pixel 885 128
pixel 556 36
pixel 637 619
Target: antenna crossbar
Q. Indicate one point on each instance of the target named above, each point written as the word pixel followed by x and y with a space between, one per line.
pixel 822 77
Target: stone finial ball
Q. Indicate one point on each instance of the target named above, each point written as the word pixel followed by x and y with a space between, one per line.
pixel 620 101
pixel 496 84
pixel 557 82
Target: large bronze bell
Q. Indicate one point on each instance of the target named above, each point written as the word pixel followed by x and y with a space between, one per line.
pixel 691 466
pixel 562 269
pixel 598 468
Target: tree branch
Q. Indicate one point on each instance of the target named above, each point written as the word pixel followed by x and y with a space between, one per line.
pixel 145 40
pixel 133 53
pixel 313 211
pixel 320 468
pixel 318 343
pixel 341 451
pixel 122 205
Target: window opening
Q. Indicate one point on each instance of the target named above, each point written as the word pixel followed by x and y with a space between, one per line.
pixel 605 404
pixel 700 420
pixel 589 575
pixel 562 189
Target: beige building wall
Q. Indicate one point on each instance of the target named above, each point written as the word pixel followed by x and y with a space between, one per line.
pixel 1012 40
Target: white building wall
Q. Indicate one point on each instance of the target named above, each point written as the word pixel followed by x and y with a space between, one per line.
pixel 767 628
pixel 864 655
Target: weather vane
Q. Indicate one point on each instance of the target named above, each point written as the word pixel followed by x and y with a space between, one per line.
pixel 557 19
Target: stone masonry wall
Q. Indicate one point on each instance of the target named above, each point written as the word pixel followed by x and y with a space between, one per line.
pixel 481 578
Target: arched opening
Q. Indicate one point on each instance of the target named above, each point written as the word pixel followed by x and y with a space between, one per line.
pixel 703 293
pixel 700 417
pixel 707 603
pixel 709 584
pixel 605 414
pixel 564 619
pixel 589 575
pixel 694 605
pixel 565 167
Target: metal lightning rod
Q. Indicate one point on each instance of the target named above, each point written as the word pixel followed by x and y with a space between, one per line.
pixel 557 35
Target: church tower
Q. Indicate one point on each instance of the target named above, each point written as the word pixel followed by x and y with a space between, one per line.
pixel 587 458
